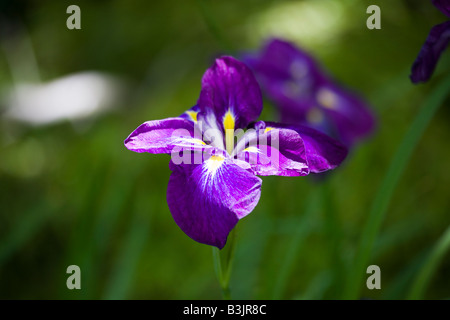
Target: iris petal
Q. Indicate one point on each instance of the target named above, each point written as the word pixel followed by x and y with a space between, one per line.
pixel 348 113
pixel 191 114
pixel 160 136
pixel 229 86
pixel 443 5
pixel 273 151
pixel 322 152
pixel 305 94
pixel 434 45
pixel 208 199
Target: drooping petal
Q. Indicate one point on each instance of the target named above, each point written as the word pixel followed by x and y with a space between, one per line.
pixel 350 116
pixel 160 136
pixel 282 60
pixel 428 57
pixel 322 152
pixel 231 91
pixel 207 200
pixel 273 151
pixel 443 5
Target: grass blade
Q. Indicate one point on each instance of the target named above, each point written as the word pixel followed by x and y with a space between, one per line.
pixel 390 181
pixel 295 247
pixel 424 276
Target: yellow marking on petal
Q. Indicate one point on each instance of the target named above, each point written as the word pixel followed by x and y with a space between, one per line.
pixel 228 125
pixel 327 98
pixel 251 149
pixel 214 163
pixel 228 121
pixel 193 115
pixel 216 158
pixel 198 141
pixel 314 115
pixel 268 129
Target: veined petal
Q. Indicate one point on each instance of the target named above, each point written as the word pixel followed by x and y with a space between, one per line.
pixel 322 152
pixel 207 200
pixel 231 91
pixel 443 5
pixel 428 57
pixel 160 136
pixel 273 151
pixel 206 126
pixel 211 131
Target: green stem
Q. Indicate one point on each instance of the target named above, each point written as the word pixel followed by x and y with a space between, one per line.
pixel 424 276
pixel 223 262
pixel 387 188
pixel 333 233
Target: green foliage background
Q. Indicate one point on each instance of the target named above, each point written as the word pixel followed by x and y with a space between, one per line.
pixel 72 194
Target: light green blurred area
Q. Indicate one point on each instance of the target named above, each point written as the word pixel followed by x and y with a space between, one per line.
pixel 71 193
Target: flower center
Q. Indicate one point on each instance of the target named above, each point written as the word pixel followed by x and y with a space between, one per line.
pixel 214 163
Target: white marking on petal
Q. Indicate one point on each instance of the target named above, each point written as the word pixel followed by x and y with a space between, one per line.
pixel 211 132
pixel 213 164
pixel 210 169
pixel 327 98
pixel 252 149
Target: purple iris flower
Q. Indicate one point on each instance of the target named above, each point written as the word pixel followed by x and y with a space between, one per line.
pixel 217 151
pixel 304 94
pixel 434 45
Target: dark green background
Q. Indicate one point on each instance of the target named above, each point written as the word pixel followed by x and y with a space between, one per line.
pixel 70 193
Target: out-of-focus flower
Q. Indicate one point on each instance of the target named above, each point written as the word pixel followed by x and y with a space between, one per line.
pixel 305 94
pixel 72 97
pixel 436 42
pixel 215 162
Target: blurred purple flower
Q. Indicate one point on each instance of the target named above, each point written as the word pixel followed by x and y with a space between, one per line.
pixel 436 42
pixel 304 94
pixel 213 182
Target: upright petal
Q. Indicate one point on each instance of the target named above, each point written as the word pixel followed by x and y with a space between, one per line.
pixel 282 59
pixel 428 57
pixel 160 136
pixel 322 152
pixel 231 91
pixel 207 200
pixel 288 76
pixel 443 5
